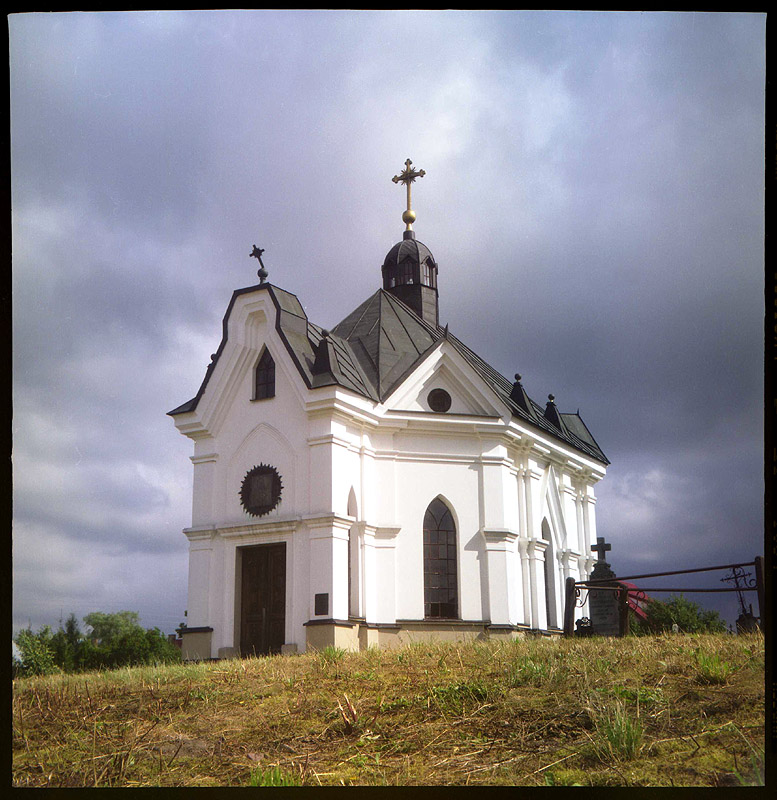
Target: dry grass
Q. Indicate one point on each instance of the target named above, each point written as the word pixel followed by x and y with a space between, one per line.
pixel 635 711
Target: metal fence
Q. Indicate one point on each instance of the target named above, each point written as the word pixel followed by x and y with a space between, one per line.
pixel 573 590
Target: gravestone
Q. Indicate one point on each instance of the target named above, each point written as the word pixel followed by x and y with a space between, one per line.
pixel 604 603
pixel 747 623
pixel 583 627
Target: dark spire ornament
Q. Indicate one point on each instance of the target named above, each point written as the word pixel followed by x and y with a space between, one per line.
pixel 261 272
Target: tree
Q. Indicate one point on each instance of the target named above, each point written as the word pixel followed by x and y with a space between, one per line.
pixel 121 641
pixel 688 616
pixel 66 645
pixel 115 640
pixel 107 628
pixel 36 651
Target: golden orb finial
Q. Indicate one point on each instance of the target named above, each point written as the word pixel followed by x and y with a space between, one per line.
pixel 407 176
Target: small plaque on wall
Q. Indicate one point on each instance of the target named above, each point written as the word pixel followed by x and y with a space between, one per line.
pixel 321 604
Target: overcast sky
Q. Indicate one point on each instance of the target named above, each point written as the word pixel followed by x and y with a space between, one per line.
pixel 593 196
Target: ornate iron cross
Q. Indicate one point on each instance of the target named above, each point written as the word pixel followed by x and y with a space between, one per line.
pixel 407 176
pixel 257 254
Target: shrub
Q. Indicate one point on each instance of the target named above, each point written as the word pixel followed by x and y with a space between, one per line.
pixel 37 653
pixel 688 616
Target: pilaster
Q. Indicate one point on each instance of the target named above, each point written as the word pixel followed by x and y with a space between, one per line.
pixel 379 573
pixel 499 501
pixel 589 522
pixel 200 555
pixel 203 485
pixel 568 494
pixel 533 557
pixel 328 538
pixel 503 597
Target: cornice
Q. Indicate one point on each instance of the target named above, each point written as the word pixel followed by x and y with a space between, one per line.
pixel 207 457
pixel 200 534
pixel 435 458
pixel 316 521
pixel 497 536
pixel 278 526
pixel 331 438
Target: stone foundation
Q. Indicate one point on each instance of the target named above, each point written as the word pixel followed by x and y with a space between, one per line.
pixel 356 635
pixel 196 642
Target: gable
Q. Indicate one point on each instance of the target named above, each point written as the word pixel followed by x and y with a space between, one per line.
pixel 228 390
pixel 301 340
pixel 443 368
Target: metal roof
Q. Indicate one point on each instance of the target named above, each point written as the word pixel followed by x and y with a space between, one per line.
pixel 375 347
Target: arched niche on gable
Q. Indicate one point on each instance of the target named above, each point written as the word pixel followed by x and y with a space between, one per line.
pixel 265 444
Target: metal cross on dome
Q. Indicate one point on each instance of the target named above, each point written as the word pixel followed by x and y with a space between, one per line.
pixel 407 176
pixel 600 547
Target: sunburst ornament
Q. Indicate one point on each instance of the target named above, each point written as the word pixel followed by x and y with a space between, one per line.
pixel 261 490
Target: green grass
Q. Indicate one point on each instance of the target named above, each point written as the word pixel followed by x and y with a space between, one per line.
pixel 710 669
pixel 619 734
pixel 272 777
pixel 641 711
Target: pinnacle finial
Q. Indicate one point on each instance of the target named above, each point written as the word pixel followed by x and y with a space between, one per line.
pixel 408 176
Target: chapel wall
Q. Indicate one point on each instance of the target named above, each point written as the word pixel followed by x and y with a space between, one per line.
pixel 253 432
pixel 417 484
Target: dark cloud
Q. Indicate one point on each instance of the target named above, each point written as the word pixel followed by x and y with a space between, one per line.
pixel 594 196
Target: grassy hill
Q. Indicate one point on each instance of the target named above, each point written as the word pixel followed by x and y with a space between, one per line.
pixel 664 711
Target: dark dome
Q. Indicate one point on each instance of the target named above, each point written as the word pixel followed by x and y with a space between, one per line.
pixel 408 248
pixel 410 274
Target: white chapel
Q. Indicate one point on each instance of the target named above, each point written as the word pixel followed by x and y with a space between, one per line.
pixel 376 483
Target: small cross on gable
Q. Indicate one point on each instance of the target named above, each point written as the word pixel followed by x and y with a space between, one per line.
pixel 601 547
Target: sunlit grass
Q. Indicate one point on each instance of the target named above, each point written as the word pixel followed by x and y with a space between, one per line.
pixel 532 711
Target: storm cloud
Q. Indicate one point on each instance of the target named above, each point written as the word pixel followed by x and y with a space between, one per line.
pixel 594 198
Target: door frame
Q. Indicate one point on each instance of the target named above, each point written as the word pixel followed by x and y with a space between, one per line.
pixel 239 551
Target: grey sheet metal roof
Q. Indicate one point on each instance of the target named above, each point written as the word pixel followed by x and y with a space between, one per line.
pixel 387 338
pixel 516 398
pixel 375 347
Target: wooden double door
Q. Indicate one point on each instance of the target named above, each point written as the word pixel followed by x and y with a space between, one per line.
pixel 263 599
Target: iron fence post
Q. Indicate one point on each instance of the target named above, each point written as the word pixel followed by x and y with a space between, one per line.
pixel 623 597
pixel 569 607
pixel 759 585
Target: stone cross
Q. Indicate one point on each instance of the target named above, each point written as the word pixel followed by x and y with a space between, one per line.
pixel 407 176
pixel 600 547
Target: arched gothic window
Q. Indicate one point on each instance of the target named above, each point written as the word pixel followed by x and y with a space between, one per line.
pixel 264 377
pixel 406 270
pixel 427 272
pixel 441 591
